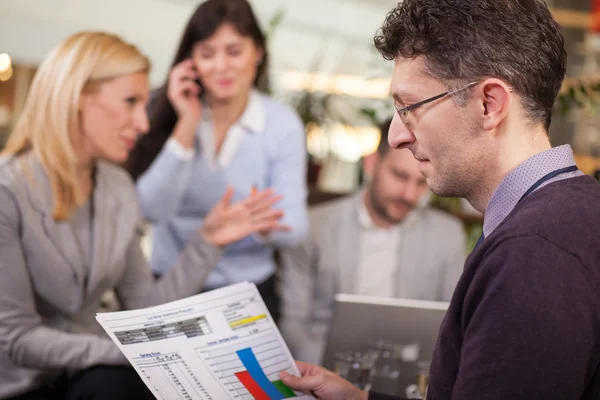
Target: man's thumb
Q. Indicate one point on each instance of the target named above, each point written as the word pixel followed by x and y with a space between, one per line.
pixel 304 384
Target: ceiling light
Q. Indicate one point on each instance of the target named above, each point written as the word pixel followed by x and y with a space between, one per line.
pixel 4 62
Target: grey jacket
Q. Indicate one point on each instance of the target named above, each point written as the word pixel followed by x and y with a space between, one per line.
pixel 49 293
pixel 430 261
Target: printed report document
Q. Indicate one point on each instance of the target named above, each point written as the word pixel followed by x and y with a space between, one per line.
pixel 217 345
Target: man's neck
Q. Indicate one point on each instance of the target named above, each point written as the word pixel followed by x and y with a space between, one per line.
pixel 378 220
pixel 511 152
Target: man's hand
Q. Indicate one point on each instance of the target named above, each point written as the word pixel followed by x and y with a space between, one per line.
pixel 322 383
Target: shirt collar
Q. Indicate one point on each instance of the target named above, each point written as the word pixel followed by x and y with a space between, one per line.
pixel 252 119
pixel 520 179
pixel 254 116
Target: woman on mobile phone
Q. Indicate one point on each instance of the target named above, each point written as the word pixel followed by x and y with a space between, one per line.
pixel 209 128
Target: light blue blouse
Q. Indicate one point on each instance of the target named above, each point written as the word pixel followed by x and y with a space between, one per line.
pixel 266 148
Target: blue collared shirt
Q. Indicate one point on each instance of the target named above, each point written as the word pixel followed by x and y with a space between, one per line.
pixel 265 148
pixel 521 178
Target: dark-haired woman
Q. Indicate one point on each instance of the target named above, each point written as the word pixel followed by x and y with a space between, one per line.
pixel 210 127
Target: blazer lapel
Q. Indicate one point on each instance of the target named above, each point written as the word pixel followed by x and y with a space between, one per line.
pixel 66 242
pixel 348 247
pixel 105 228
pixel 60 233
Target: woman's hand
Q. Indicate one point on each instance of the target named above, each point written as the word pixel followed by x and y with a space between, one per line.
pixel 184 93
pixel 227 223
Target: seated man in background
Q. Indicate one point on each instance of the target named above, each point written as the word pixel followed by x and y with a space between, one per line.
pixel 381 241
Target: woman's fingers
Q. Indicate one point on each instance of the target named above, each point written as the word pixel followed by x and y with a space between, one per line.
pixel 264 204
pixel 271 226
pixel 184 70
pixel 266 215
pixel 263 199
pixel 227 197
pixel 188 87
pixel 182 75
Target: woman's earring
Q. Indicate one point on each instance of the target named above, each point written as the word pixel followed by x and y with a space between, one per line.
pixel 259 62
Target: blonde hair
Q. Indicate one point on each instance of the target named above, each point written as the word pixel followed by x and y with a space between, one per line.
pixel 50 117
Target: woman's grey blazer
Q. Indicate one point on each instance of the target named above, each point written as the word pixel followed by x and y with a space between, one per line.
pixel 49 292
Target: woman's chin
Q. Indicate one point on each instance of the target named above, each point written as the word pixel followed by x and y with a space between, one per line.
pixel 227 93
pixel 117 157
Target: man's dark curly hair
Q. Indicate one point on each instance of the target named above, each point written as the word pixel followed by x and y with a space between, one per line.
pixel 461 41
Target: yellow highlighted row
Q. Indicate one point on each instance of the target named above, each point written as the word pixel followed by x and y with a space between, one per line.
pixel 245 321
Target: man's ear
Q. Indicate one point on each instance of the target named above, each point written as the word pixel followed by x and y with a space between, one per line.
pixel 495 98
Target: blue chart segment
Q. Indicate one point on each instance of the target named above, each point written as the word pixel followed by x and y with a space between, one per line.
pixel 251 363
pixel 249 367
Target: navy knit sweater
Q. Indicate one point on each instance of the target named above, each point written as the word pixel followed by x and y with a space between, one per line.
pixel 524 321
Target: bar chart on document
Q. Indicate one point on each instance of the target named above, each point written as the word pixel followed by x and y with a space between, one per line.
pixel 250 366
pixel 216 345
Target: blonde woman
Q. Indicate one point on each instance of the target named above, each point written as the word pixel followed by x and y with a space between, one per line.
pixel 69 225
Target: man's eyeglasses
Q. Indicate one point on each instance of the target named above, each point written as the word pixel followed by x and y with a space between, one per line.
pixel 405 111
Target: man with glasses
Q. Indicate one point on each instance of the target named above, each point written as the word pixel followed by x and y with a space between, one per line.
pixel 474 84
pixel 383 241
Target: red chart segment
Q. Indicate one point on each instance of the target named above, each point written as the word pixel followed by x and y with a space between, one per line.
pixel 253 387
